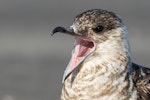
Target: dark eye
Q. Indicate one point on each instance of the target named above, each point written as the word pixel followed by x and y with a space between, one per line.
pixel 98 29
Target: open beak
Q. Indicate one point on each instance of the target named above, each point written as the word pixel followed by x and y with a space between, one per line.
pixel 83 47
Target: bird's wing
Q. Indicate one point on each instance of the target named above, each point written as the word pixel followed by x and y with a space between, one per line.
pixel 141 79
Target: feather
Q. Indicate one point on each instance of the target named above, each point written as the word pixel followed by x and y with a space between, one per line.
pixel 101 67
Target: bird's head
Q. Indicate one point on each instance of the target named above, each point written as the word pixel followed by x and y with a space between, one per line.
pixel 90 29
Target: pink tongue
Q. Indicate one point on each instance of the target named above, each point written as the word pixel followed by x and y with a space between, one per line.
pixel 80 51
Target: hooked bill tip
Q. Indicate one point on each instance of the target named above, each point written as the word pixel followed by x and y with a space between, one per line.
pixel 58 29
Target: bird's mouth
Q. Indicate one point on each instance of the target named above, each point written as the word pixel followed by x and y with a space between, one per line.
pixel 82 48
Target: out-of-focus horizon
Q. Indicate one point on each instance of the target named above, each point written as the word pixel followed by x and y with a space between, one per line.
pixel 32 62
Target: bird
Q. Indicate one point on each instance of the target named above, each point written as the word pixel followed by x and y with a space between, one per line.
pixel 101 66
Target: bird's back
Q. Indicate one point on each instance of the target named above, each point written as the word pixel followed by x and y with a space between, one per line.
pixel 141 79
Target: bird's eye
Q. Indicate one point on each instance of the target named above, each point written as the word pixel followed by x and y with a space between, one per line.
pixel 98 29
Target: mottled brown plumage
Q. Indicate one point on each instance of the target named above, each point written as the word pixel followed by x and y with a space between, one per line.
pixel 101 67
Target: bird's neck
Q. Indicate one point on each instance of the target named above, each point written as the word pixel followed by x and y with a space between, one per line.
pixel 110 64
pixel 114 52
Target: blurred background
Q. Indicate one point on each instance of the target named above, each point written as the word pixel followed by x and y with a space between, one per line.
pixel 32 63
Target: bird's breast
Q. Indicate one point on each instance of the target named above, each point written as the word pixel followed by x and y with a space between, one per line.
pixel 94 83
